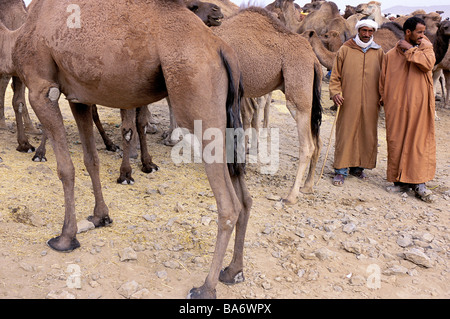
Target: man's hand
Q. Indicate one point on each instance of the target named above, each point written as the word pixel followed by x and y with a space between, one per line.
pixel 338 99
pixel 404 45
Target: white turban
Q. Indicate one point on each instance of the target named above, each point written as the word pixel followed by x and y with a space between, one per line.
pixel 366 23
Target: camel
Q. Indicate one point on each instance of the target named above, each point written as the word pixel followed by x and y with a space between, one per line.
pixel 209 13
pixel 142 52
pixel 322 17
pixel 12 15
pixel 325 56
pixel 370 10
pixel 441 44
pixel 135 121
pixel 272 57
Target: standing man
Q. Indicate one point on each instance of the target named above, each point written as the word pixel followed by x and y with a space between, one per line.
pixel 406 88
pixel 354 89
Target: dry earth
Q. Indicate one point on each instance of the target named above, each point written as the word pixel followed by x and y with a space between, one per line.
pixel 355 241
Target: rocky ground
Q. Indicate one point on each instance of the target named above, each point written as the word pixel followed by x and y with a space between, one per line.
pixel 355 241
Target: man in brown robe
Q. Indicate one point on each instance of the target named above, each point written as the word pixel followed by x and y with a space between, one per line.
pixel 354 88
pixel 406 88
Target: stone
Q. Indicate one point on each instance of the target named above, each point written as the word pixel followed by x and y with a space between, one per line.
pixel 324 253
pixel 162 274
pixel 418 257
pixel 141 294
pixel 349 228
pixel 84 226
pixel 128 288
pixel 149 218
pixel 60 295
pixel 404 240
pixel 128 254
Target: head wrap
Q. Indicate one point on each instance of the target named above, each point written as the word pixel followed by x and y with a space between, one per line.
pixel 366 23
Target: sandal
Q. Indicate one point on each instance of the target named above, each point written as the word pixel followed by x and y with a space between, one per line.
pixel 398 188
pixel 360 174
pixel 423 193
pixel 338 180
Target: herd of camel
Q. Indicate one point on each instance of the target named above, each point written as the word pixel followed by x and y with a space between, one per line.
pixel 210 60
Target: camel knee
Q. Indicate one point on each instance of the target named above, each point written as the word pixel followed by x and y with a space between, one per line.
pixel 53 94
pixel 127 134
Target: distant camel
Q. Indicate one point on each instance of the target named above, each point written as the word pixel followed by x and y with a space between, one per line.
pixel 157 48
pixel 12 15
pixel 441 44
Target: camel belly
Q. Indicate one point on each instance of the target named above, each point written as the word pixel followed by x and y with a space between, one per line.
pixel 116 84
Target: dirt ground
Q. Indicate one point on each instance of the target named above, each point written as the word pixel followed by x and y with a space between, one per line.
pixel 355 241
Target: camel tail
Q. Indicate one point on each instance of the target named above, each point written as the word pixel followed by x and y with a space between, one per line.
pixel 316 113
pixel 235 160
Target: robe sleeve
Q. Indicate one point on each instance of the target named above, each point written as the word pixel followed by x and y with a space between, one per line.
pixel 382 78
pixel 335 85
pixel 422 56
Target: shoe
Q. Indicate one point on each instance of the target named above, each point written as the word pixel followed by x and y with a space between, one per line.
pixel 423 193
pixel 338 180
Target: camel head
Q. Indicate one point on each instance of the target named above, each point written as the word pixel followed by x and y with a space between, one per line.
pixel 432 21
pixel 208 12
pixel 312 6
pixel 444 28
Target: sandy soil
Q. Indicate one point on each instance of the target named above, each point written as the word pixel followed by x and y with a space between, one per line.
pixel 355 241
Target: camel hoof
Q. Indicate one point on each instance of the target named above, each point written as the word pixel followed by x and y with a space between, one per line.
pixel 100 222
pixel 150 168
pixel 112 148
pixel 228 279
pixel 25 148
pixel 39 158
pixel 201 293
pixel 287 201
pixel 125 181
pixel 307 190
pixel 63 245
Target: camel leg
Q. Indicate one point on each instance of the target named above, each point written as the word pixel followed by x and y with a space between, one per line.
pixel 267 110
pixel 167 135
pixel 39 156
pixel 306 148
pixel 229 207
pixel 4 80
pixel 233 274
pixel 19 105
pixel 142 115
pixel 44 100
pixel 128 130
pixel 110 146
pixel 83 117
pixel 447 88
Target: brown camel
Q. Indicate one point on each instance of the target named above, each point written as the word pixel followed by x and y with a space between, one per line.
pixel 143 52
pixel 325 56
pixel 441 44
pixel 135 121
pixel 289 65
pixel 370 10
pixel 12 15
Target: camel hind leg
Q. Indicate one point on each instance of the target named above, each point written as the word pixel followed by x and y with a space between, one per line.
pixel 303 99
pixel 233 274
pixel 43 98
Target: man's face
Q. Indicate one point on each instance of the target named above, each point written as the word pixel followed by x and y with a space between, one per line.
pixel 415 37
pixel 365 33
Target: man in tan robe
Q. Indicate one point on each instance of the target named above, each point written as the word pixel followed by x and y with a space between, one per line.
pixel 406 88
pixel 354 88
